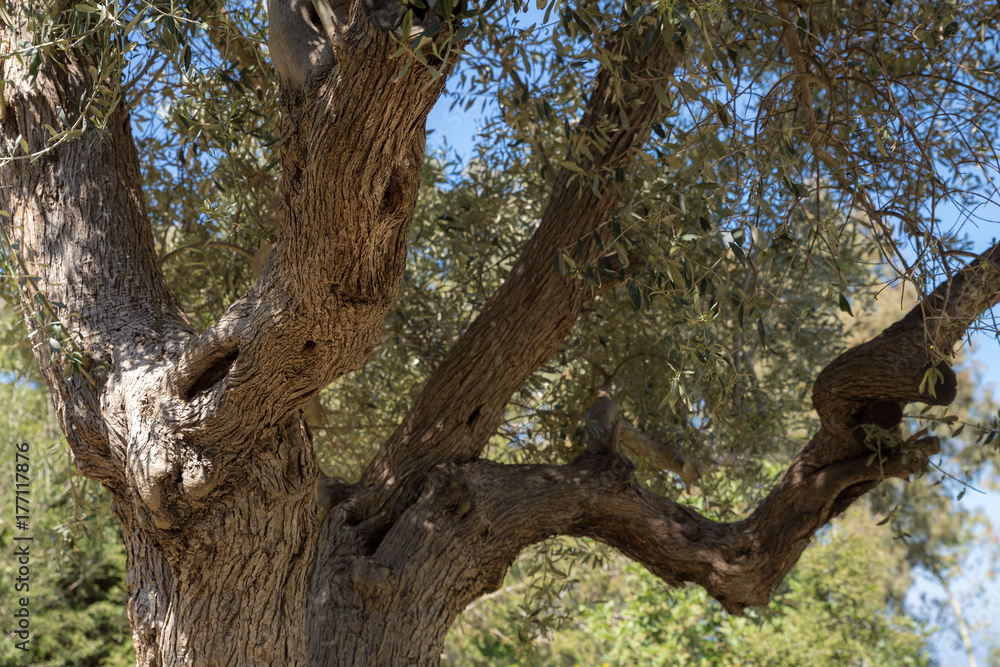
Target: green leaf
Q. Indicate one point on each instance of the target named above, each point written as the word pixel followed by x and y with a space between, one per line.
pixel 641 13
pixel 622 255
pixel 402 70
pixel 845 305
pixel 661 95
pixel 652 34
pixel 35 63
pixel 671 398
pixel 559 263
pixel 131 24
pixel 407 26
pixel 881 146
pixel 741 254
pixel 463 33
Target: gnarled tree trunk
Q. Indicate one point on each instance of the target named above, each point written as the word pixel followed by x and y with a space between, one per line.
pixel 197 435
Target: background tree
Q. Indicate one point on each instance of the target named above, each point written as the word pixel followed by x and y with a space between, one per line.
pixel 701 162
pixel 78 588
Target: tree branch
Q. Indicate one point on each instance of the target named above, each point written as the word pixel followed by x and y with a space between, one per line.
pixel 79 226
pixel 908 362
pixel 349 180
pixel 524 322
pixel 510 507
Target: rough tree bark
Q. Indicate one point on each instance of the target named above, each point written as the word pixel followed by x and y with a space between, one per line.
pixel 197 435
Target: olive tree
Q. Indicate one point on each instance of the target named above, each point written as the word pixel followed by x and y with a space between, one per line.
pixel 683 153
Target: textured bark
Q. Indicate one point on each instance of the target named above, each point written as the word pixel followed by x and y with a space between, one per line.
pixel 196 559
pixel 197 434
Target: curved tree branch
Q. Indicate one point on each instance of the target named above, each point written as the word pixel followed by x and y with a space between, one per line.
pixel 908 362
pixel 488 512
pixel 499 510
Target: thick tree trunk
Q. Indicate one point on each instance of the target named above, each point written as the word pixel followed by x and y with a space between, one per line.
pixel 220 533
pixel 197 434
